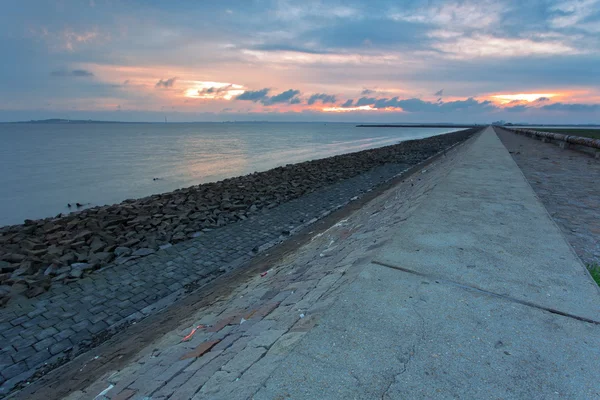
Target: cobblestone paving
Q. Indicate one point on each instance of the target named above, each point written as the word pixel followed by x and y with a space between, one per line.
pixel 244 335
pixel 566 182
pixel 69 318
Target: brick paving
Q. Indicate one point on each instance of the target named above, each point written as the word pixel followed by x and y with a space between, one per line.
pixel 566 181
pixel 69 318
pixel 246 334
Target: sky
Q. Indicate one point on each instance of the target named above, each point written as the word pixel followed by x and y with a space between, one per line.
pixel 535 61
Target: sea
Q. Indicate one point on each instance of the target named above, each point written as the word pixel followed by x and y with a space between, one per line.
pixel 44 166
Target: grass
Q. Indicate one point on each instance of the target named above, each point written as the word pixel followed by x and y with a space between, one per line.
pixel 595 272
pixel 591 133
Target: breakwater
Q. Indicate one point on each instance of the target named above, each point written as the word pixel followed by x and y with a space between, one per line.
pixel 37 253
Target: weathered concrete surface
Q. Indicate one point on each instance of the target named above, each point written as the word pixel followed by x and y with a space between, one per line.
pixel 566 182
pixel 429 333
pixel 484 226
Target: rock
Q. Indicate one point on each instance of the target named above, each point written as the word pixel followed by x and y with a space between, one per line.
pixel 131 242
pixel 4 294
pixel 123 260
pixel 68 258
pixel 82 266
pixel 35 291
pixel 97 245
pixel 30 245
pixel 122 251
pixel 7 267
pixel 84 235
pixel 13 257
pixel 25 268
pixel 76 273
pixel 63 270
pixel 165 246
pixel 60 277
pixel 51 270
pixel 54 251
pixel 4 278
pixel 103 257
pixel 178 237
pixel 144 251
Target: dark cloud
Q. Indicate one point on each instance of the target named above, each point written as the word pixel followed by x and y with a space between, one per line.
pixel 289 96
pixel 256 95
pixel 368 32
pixel 418 105
pixel 167 83
pixel 287 47
pixel 215 90
pixel 348 103
pixel 574 107
pixel 367 92
pixel 439 93
pixel 76 73
pixel 322 97
pixel 542 99
pixel 365 101
pixel 517 108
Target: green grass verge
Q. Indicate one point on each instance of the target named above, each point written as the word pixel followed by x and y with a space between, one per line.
pixel 591 133
pixel 595 271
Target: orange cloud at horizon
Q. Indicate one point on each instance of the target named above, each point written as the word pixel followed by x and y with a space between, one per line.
pixel 527 97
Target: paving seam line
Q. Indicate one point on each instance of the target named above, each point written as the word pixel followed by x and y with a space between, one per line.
pixel 472 288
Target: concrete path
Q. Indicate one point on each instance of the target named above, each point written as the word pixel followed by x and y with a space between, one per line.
pixel 453 284
pixel 478 295
pixel 565 180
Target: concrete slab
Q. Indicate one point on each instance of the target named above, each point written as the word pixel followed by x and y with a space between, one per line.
pixel 397 335
pixel 480 246
pixel 484 226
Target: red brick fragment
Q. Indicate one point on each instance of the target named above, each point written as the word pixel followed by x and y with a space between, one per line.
pixel 200 350
pixel 250 314
pixel 125 394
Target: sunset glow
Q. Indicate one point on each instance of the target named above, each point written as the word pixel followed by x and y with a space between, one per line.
pixel 454 61
pixel 529 97
pixel 213 90
pixel 348 109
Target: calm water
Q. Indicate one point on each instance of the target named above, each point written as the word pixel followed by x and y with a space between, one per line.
pixel 44 166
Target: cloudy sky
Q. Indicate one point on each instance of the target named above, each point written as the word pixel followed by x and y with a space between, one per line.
pixel 353 60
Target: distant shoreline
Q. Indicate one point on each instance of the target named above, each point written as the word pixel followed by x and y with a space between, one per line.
pixel 53 121
pixel 418 126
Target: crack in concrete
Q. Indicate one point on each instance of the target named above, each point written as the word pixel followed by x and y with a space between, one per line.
pixel 487 292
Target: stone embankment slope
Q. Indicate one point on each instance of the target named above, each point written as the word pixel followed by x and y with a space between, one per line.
pixel 79 312
pixel 41 252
